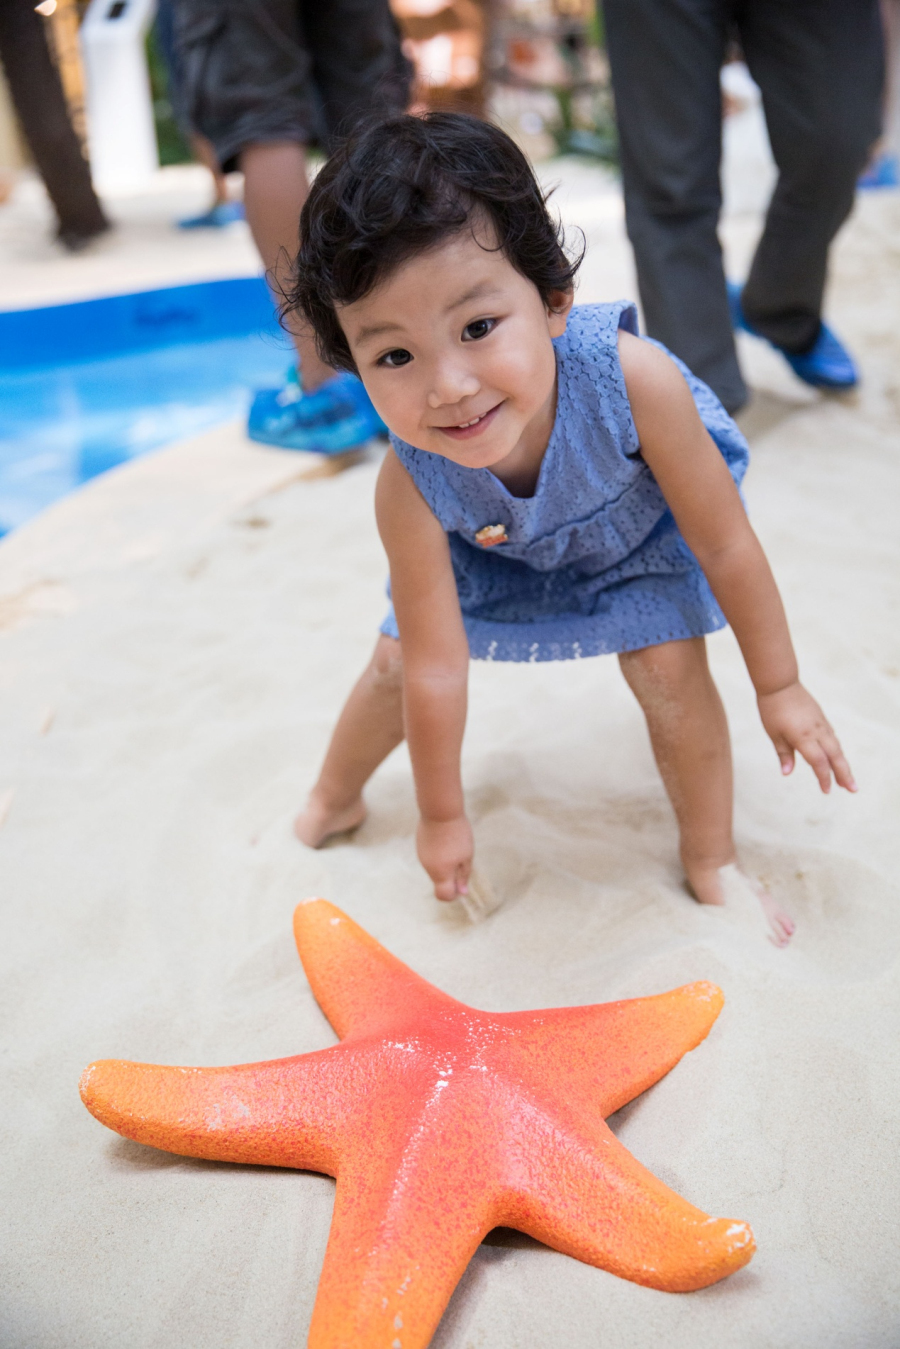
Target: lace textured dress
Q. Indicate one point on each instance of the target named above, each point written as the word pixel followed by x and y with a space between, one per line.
pixel 593 562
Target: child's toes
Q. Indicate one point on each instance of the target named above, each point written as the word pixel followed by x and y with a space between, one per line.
pixel 783 928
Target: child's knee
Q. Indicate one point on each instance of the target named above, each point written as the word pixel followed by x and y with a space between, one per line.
pixel 662 674
pixel 387 664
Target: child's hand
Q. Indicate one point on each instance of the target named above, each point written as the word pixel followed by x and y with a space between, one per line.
pixel 445 850
pixel 795 721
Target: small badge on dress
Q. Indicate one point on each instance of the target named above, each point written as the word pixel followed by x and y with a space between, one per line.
pixel 491 534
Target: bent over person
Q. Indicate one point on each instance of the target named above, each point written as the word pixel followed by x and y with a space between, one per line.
pixel 819 64
pixel 262 80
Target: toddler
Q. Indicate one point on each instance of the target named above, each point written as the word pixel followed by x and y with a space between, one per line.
pixel 556 487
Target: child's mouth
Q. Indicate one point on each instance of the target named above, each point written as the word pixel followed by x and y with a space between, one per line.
pixel 473 427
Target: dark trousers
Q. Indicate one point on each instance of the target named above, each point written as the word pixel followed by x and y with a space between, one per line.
pixel 39 101
pixel 819 64
pixel 252 71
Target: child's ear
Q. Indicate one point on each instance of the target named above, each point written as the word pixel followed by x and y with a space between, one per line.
pixel 559 305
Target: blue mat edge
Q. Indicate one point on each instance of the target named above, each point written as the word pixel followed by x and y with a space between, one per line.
pixel 115 325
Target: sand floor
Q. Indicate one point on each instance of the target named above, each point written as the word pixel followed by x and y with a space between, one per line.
pixel 176 641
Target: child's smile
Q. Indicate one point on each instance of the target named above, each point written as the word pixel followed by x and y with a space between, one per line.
pixel 455 350
pixel 475 426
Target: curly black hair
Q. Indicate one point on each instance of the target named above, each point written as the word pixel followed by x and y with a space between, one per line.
pixel 398 187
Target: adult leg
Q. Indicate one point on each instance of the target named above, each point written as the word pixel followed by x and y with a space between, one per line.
pixel 359 71
pixel 369 727
pixel 349 50
pixel 202 149
pixel 40 103
pixel 689 735
pixel 275 188
pixel 819 64
pixel 203 152
pixel 245 83
pixel 665 57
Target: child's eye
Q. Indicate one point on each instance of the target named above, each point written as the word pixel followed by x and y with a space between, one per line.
pixel 479 328
pixel 394 359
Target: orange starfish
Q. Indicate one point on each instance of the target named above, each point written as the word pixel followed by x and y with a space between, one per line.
pixel 441 1122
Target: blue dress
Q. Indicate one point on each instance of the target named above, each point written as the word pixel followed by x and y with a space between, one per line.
pixel 593 562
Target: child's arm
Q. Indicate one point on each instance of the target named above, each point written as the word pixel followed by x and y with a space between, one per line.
pixel 701 494
pixel 435 672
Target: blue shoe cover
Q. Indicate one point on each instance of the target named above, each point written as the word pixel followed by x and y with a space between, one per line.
pixel 738 322
pixel 338 416
pixel 828 365
pixel 216 218
pixel 884 171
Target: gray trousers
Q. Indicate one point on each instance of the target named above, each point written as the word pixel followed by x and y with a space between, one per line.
pixel 252 71
pixel 819 64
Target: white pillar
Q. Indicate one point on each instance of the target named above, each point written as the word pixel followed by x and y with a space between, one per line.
pixel 121 134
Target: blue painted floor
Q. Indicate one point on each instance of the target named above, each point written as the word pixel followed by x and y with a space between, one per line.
pixel 64 422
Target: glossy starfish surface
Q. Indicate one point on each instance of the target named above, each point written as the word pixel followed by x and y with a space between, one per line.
pixel 441 1122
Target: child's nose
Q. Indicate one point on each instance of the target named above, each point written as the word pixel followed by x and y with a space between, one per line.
pixel 451 384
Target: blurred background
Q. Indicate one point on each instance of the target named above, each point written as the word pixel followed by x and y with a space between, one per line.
pixel 132 309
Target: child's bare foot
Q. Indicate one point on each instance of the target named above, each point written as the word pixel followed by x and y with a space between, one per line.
pixel 729 886
pixel 318 823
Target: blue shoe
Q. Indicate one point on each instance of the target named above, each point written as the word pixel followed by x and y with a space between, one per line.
pixel 337 417
pixel 884 171
pixel 738 322
pixel 216 218
pixel 828 365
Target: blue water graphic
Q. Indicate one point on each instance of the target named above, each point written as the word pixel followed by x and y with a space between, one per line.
pixel 85 387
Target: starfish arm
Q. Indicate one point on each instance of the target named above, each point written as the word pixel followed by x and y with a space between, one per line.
pixel 413 1202
pixel 287 1112
pixel 361 987
pixel 609 1053
pixel 584 1194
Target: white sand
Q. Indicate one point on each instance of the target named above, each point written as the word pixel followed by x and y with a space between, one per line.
pixel 177 639
pixel 144 249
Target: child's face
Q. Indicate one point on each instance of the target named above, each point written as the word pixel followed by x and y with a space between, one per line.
pixel 455 351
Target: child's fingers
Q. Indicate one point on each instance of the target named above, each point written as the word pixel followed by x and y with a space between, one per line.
pixel 446 888
pixel 457 883
pixel 818 760
pixel 843 773
pixel 785 754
